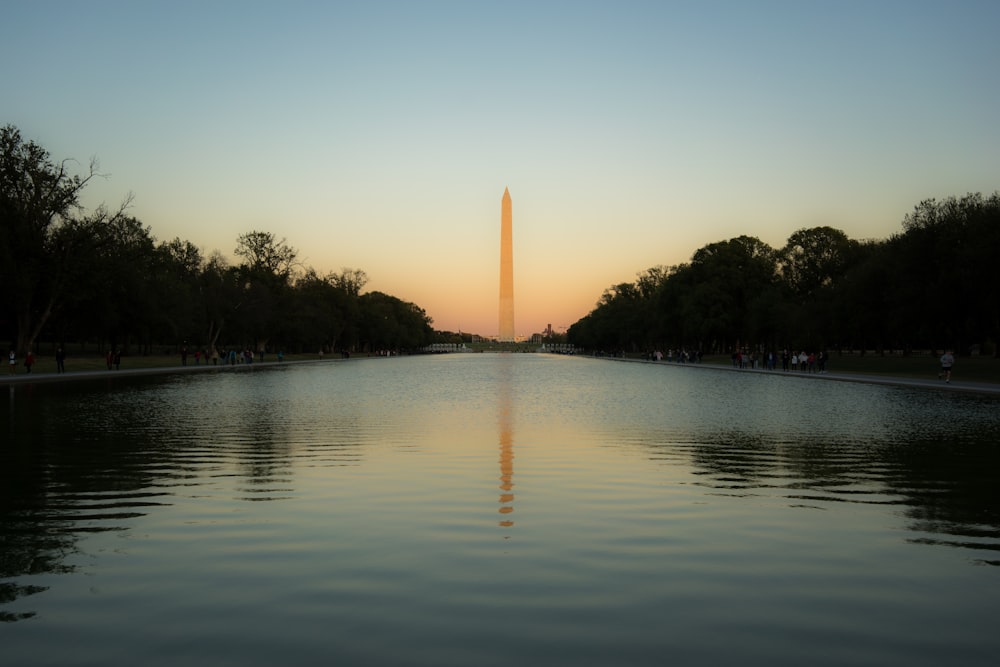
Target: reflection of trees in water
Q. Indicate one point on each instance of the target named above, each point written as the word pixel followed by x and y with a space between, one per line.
pixel 35 541
pixel 268 426
pixel 256 437
pixel 267 437
pixel 87 457
pixel 66 469
pixel 948 482
pixel 737 460
pixel 952 486
pixel 9 593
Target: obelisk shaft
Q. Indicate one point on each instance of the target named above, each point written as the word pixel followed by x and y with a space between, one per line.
pixel 506 269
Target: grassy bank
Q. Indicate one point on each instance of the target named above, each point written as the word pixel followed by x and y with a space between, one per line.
pixel 967 369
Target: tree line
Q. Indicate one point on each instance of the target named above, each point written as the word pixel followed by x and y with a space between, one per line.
pixel 69 275
pixel 932 286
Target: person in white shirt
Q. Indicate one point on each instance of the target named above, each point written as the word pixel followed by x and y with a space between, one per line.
pixel 947 361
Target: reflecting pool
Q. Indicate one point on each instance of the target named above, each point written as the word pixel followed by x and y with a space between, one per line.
pixel 497 509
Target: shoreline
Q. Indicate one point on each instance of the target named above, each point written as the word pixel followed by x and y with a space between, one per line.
pixel 70 376
pixel 985 388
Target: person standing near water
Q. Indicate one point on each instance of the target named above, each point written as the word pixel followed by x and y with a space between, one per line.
pixel 12 362
pixel 947 361
pixel 60 360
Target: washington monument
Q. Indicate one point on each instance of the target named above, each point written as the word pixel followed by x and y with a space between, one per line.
pixel 506 270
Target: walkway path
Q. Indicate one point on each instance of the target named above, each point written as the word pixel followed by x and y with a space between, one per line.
pixel 928 383
pixel 28 378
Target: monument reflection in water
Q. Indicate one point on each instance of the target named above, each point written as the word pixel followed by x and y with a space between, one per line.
pixel 348 513
pixel 504 419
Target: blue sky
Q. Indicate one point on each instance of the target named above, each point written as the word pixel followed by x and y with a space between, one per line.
pixel 381 135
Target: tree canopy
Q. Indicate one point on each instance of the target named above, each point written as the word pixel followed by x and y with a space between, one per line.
pixel 932 286
pixel 102 277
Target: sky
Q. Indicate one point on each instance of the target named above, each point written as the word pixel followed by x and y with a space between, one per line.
pixel 380 135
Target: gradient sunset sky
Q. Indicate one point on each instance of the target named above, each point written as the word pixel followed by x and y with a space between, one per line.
pixel 381 135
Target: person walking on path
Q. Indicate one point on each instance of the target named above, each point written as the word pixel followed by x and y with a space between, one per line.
pixel 29 361
pixel 12 362
pixel 60 360
pixel 947 361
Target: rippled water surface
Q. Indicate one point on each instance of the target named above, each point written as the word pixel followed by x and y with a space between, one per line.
pixel 497 510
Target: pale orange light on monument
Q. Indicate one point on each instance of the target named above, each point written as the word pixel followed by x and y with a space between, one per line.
pixel 506 270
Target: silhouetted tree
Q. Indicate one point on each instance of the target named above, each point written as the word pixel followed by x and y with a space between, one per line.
pixel 266 273
pixel 39 248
